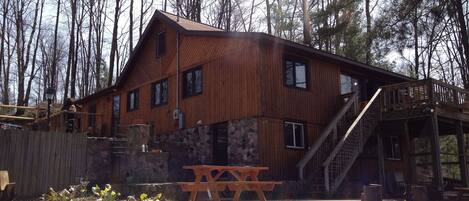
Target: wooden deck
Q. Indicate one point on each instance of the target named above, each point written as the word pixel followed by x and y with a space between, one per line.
pixel 420 98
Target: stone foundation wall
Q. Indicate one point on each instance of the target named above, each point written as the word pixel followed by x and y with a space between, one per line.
pixel 131 167
pixel 194 146
pixel 98 160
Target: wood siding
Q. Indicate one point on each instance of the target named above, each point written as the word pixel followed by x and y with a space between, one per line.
pixel 314 106
pixel 230 84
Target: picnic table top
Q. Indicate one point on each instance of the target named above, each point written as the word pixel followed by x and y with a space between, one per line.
pixel 220 167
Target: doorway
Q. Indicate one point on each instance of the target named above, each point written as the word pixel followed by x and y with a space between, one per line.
pixel 115 121
pixel 220 144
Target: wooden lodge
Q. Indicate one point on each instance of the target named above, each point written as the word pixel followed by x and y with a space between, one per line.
pixel 230 98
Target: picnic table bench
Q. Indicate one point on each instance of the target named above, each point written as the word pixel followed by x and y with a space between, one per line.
pixel 7 189
pixel 245 179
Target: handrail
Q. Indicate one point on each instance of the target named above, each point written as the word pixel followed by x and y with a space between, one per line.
pixel 355 123
pixel 325 134
pixel 347 136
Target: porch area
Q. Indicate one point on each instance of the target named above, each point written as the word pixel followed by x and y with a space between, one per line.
pixel 431 119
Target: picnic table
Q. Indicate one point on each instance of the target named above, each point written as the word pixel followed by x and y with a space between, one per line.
pixel 7 189
pixel 461 192
pixel 245 178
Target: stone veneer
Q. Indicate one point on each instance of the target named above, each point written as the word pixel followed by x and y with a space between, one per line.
pixel 194 146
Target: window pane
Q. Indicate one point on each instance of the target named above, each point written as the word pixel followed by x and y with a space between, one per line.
pixel 157 97
pixel 289 73
pixel 300 75
pixel 164 94
pixel 345 84
pixel 189 84
pixel 198 81
pixel 132 100
pixel 289 134
pixel 299 135
pixel 161 46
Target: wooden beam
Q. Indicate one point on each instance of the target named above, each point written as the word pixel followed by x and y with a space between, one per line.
pixel 411 171
pixel 16 117
pixel 21 107
pixel 461 150
pixel 382 178
pixel 436 162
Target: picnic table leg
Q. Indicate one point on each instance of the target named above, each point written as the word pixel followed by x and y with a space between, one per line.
pixel 260 193
pixel 210 180
pixel 237 195
pixel 193 196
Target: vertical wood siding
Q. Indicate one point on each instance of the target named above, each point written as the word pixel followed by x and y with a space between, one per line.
pixel 231 89
pixel 315 107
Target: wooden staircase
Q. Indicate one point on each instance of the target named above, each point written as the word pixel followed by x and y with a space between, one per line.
pixel 327 162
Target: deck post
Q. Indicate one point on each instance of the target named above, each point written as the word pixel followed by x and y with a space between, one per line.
pixel 436 162
pixel 461 152
pixel 382 178
pixel 410 162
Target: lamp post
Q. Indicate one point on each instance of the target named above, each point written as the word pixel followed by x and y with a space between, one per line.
pixel 49 95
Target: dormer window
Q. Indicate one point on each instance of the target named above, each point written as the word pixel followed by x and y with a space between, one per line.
pixel 160 44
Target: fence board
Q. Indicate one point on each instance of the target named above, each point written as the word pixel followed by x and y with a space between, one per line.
pixel 39 160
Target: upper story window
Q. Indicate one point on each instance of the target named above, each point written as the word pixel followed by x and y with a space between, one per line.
pixel 295 73
pixel 160 44
pixel 392 148
pixel 294 134
pixel 192 82
pixel 132 100
pixel 348 84
pixel 159 92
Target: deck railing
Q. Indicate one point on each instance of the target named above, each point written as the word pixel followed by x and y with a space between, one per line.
pixel 418 95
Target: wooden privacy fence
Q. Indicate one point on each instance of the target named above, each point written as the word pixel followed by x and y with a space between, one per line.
pixel 37 161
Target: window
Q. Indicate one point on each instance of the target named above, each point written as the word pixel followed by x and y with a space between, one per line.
pixel 192 82
pixel 160 44
pixel 294 135
pixel 132 100
pixel 159 93
pixel 92 115
pixel 347 84
pixel 295 73
pixel 392 149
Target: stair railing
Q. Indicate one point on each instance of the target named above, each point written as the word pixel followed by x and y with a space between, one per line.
pixel 350 146
pixel 323 146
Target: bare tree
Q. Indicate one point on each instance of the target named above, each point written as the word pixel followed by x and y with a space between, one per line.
pixel 113 42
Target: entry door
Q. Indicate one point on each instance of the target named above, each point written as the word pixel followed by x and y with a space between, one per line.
pixel 220 144
pixel 115 115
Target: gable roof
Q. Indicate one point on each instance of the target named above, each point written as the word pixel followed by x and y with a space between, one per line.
pixel 189 27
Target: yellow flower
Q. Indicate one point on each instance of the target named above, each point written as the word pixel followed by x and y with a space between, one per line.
pixel 143 196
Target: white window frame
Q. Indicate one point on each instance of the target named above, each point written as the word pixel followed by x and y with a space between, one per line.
pixel 294 136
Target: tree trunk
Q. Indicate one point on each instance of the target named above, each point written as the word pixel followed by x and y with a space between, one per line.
pixel 131 27
pixel 53 80
pixel 6 3
pixel 368 32
pixel 416 44
pixel 71 49
pixel 463 34
pixel 269 23
pixel 113 43
pixel 33 64
pixel 306 24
